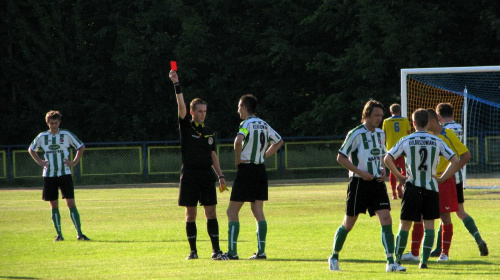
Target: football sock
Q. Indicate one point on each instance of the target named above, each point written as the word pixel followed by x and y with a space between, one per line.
pixel 416 238
pixel 401 241
pixel 439 236
pixel 191 235
pixel 213 232
pixel 232 238
pixel 338 241
pixel 388 242
pixel 56 219
pixel 261 236
pixel 75 217
pixel 472 228
pixel 447 235
pixel 427 246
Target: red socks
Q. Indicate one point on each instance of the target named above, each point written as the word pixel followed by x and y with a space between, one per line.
pixel 416 238
pixel 446 238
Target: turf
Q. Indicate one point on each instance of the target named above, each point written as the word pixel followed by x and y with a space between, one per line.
pixel 139 233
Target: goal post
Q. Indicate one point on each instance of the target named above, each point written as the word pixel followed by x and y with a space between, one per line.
pixel 474 93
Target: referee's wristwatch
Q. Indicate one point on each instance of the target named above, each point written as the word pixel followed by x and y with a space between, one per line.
pixel 222 177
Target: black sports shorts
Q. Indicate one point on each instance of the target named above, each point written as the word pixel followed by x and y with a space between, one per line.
pixel 419 203
pixel 250 183
pixel 366 195
pixel 197 186
pixel 460 193
pixel 51 186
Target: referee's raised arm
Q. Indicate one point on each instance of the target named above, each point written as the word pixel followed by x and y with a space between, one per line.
pixel 181 105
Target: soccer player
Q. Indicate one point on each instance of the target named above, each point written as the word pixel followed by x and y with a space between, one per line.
pixel 251 185
pixel 421 195
pixel 199 160
pixel 362 153
pixel 56 164
pixel 453 199
pixel 446 117
pixel 395 128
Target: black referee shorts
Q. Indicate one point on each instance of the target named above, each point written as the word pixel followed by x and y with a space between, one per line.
pixel 419 203
pixel 197 186
pixel 250 183
pixel 51 186
pixel 366 195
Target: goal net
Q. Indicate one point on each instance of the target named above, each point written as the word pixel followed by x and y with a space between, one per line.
pixel 474 93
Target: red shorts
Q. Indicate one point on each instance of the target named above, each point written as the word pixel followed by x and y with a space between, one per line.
pixel 448 201
pixel 400 162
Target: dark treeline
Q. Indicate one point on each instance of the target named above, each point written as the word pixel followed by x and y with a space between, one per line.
pixel 312 64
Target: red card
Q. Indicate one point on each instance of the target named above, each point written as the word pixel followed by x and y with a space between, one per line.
pixel 173 65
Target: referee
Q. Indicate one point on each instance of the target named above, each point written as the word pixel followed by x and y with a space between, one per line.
pixel 197 182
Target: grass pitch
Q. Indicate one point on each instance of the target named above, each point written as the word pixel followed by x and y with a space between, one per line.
pixel 139 233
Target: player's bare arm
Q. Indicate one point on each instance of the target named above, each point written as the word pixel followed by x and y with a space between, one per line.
pixel 38 160
pixel 273 149
pixel 346 163
pixel 389 162
pixel 450 171
pixel 238 147
pixel 77 158
pixel 181 105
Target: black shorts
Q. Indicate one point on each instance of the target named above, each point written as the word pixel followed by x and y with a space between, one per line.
pixel 197 186
pixel 460 193
pixel 366 195
pixel 250 183
pixel 51 186
pixel 419 203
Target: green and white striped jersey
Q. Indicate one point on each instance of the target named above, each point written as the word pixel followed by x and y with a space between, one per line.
pixel 56 150
pixel 258 136
pixel 365 149
pixel 422 150
pixel 456 128
pixel 459 131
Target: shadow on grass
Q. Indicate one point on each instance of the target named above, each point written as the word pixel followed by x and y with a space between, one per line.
pixel 326 260
pixel 150 241
pixel 17 277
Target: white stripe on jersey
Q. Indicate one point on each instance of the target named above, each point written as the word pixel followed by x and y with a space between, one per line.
pixel 258 136
pixel 365 149
pixel 56 150
pixel 459 131
pixel 422 150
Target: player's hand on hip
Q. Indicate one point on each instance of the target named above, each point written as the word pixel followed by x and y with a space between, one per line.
pixel 366 176
pixel 173 76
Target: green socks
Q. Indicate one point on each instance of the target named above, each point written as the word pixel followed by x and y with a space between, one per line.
pixel 401 241
pixel 261 237
pixel 56 219
pixel 438 238
pixel 427 245
pixel 388 242
pixel 338 241
pixel 75 217
pixel 232 237
pixel 472 228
